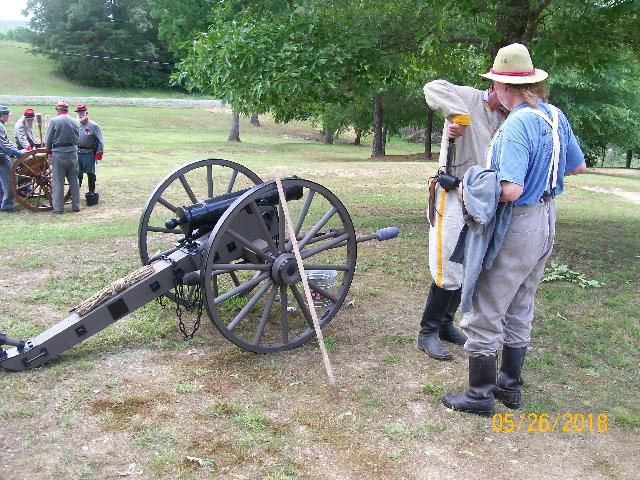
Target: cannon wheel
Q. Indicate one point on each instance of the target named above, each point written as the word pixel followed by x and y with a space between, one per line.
pixel 266 310
pixel 31 181
pixel 189 184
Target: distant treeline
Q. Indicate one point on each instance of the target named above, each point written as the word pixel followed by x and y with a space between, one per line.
pixel 354 64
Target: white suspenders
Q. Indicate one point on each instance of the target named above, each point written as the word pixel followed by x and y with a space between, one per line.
pixel 555 154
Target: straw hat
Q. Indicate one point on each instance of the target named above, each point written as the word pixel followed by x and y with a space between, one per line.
pixel 513 65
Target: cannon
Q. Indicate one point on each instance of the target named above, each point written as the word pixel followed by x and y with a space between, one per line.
pixel 30 181
pixel 212 238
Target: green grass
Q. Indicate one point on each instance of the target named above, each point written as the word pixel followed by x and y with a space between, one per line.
pixel 36 75
pixel 249 413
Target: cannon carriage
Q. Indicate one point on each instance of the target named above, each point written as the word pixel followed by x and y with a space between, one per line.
pixel 212 238
pixel 30 181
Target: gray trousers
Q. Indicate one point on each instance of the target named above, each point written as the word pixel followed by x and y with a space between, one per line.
pixel 503 298
pixel 6 197
pixel 64 165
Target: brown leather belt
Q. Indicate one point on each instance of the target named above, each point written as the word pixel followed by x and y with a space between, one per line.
pixel 431 212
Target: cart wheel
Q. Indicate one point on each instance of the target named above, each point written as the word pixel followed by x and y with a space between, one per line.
pixel 31 181
pixel 189 184
pixel 264 310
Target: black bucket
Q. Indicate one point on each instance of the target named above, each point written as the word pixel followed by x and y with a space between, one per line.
pixel 92 198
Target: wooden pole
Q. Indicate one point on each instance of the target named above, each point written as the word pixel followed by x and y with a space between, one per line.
pixel 39 122
pixel 307 290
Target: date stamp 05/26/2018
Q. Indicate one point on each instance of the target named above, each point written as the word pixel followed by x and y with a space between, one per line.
pixel 567 422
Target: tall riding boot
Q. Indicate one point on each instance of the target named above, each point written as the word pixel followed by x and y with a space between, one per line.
pixel 482 381
pixel 448 331
pixel 509 387
pixel 92 182
pixel 428 339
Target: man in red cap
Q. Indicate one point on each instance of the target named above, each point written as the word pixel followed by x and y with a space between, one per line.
pixel 90 150
pixel 62 143
pixel 23 130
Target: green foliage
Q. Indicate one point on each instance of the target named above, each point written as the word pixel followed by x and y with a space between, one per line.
pixel 19 34
pixel 563 272
pixel 292 63
pixel 120 29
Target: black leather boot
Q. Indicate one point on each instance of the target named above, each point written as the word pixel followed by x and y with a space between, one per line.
pixel 428 336
pixel 509 387
pixel 482 381
pixel 448 331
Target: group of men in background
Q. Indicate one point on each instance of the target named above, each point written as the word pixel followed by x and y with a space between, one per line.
pixel 74 147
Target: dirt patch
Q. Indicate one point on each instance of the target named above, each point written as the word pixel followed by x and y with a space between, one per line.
pixel 631 196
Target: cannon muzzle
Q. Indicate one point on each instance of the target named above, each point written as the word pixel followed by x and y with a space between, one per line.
pixel 200 218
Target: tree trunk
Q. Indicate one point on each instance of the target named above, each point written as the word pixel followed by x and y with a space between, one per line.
pixel 427 135
pixel 254 120
pixel 378 145
pixel 358 137
pixel 385 132
pixel 327 131
pixel 512 20
pixel 629 157
pixel 328 135
pixel 234 135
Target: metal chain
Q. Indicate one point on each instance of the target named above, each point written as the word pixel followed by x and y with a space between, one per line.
pixel 182 296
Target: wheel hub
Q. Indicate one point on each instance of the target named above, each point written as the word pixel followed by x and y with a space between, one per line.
pixel 285 270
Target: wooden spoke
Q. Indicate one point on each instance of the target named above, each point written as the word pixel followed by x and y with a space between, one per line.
pixel 316 228
pixel 284 314
pixel 303 212
pixel 322 291
pixel 167 204
pixel 303 306
pixel 210 181
pixel 247 244
pixel 335 243
pixel 265 315
pixel 187 188
pixel 232 181
pixel 245 287
pixel 234 323
pixel 342 268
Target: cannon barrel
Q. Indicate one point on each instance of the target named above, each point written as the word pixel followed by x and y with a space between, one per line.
pixel 203 216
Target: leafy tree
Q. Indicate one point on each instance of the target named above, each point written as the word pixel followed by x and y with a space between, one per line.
pixel 110 28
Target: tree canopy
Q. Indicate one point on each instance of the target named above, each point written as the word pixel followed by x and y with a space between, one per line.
pixel 101 28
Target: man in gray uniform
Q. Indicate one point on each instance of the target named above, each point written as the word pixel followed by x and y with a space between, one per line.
pixel 62 143
pixel 90 151
pixel 23 130
pixel 471 118
pixel 7 150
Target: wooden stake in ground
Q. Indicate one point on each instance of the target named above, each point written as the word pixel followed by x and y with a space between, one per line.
pixel 307 290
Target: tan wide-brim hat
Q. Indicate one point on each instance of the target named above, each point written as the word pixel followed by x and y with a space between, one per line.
pixel 513 65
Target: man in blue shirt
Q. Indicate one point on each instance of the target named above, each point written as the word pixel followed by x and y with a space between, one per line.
pixel 534 149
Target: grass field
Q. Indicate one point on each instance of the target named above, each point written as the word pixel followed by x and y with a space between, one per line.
pixel 136 401
pixel 27 74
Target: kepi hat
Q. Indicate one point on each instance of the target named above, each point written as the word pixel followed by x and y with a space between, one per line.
pixel 4 110
pixel 62 104
pixel 29 113
pixel 513 65
pixel 81 108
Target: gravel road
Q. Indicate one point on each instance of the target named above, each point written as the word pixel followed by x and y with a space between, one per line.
pixel 115 101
